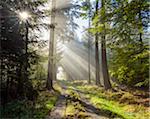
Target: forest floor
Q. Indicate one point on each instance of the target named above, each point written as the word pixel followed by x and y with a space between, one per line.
pixel 71 104
pixel 79 100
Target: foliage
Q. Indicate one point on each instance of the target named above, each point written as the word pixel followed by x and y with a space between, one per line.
pixel 18 52
pixel 129 65
pixel 129 46
pixel 44 104
pixel 30 109
pixel 39 70
pixel 125 25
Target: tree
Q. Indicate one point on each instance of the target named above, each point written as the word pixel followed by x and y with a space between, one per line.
pixel 12 47
pixel 89 42
pixel 63 32
pixel 129 46
pixel 15 68
pixel 52 47
pixel 105 73
pixel 97 49
pixel 100 29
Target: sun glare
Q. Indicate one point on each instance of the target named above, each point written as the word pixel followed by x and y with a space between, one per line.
pixel 24 15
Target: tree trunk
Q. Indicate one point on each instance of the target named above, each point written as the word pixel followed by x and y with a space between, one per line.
pixel 26 49
pixel 49 83
pixel 97 53
pixel 51 63
pixel 89 44
pixel 89 61
pixel 105 73
pixel 97 60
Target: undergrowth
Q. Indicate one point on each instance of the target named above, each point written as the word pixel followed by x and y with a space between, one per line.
pixel 121 103
pixel 26 109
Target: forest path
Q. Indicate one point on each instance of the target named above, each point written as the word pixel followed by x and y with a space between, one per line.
pixel 83 109
pixel 58 112
pixel 90 110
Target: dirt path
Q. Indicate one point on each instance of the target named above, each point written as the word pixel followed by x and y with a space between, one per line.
pixel 92 111
pixel 59 111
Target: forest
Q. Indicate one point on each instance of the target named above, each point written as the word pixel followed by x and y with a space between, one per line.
pixel 74 59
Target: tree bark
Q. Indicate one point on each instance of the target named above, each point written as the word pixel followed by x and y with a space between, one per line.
pixel 89 44
pixel 97 52
pixel 26 49
pixel 51 62
pixel 105 73
pixel 89 61
pixel 97 60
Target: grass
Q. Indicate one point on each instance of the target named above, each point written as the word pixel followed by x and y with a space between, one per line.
pixel 26 109
pixel 121 104
pixel 44 104
pixel 73 108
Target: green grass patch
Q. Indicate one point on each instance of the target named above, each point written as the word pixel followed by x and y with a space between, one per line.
pixel 119 104
pixel 122 104
pixel 26 109
pixel 45 102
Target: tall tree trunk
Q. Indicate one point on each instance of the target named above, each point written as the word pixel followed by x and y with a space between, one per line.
pixel 97 60
pixel 89 45
pixel 97 52
pixel 89 61
pixel 105 73
pixel 25 71
pixel 26 49
pixel 51 65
